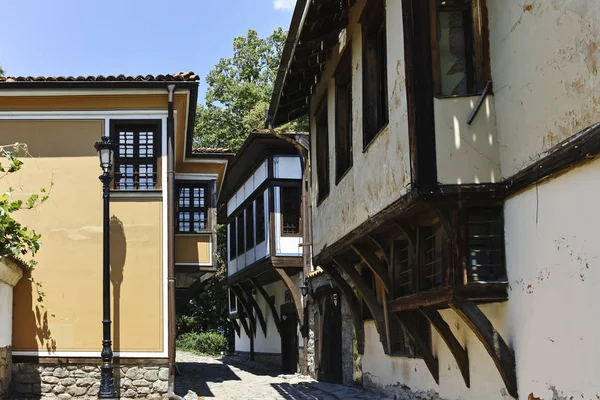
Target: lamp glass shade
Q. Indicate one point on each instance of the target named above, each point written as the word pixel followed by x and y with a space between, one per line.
pixel 303 289
pixel 106 153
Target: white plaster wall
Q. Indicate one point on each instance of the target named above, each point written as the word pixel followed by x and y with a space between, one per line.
pixel 466 153
pixel 287 167
pixel 380 174
pixel 249 186
pixel 391 372
pixel 545 58
pixel 6 309
pixel 553 262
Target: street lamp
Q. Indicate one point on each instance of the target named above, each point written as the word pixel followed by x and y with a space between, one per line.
pixel 306 289
pixel 105 150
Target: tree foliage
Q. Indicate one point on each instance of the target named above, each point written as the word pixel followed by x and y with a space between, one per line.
pixel 239 91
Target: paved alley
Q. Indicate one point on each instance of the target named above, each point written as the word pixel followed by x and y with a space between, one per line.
pixel 209 378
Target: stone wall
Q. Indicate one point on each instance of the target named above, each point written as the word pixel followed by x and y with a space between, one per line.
pixel 83 381
pixel 267 359
pixel 350 362
pixel 5 370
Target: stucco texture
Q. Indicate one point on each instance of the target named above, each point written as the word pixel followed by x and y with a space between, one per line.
pixel 545 57
pixel 70 259
pixel 381 173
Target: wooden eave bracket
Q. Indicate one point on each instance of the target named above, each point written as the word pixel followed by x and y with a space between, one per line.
pixel 236 326
pixel 352 300
pixel 406 320
pixel 269 302
pixel 374 263
pixel 502 355
pixel 246 327
pixel 369 297
pixel 239 292
pixel 459 353
pixel 296 296
pixel 259 314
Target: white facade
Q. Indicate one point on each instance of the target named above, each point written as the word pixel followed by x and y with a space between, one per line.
pixel 544 65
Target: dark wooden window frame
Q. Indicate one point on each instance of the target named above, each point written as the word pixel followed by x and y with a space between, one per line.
pixel 322 149
pixel 249 224
pixel 136 126
pixel 375 73
pixel 260 218
pixel 241 233
pixel 191 210
pixel 477 48
pixel 281 210
pixel 343 115
pixel 233 239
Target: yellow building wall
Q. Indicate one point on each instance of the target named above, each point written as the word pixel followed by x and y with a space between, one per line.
pixel 70 259
pixel 192 248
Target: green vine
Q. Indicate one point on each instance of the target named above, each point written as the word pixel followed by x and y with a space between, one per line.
pixel 16 240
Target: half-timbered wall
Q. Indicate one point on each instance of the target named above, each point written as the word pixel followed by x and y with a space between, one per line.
pixel 381 173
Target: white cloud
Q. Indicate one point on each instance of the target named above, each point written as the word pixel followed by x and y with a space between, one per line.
pixel 284 4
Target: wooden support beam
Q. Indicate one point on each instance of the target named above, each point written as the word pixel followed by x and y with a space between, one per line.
pixel 371 260
pixel 381 244
pixel 236 326
pixel 460 354
pixel 368 296
pixel 503 356
pixel 296 296
pixel 239 292
pixel 270 302
pixel 407 320
pixel 410 233
pixel 245 326
pixel 259 313
pixel 353 303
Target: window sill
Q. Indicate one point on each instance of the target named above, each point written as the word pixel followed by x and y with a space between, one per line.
pixel 379 133
pixel 193 233
pixel 136 194
pixel 341 178
pixel 460 96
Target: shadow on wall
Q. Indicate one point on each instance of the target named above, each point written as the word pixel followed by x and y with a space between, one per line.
pixel 118 254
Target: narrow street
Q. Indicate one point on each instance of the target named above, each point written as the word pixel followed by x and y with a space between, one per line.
pixel 229 379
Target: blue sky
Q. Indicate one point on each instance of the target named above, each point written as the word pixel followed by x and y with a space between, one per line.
pixel 110 37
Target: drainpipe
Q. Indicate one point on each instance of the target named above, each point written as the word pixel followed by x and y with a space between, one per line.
pixel 171 236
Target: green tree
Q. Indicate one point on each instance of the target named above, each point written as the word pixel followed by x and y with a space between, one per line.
pixel 239 91
pixel 1 71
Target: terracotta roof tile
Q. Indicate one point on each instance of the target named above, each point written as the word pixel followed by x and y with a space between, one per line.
pixel 181 76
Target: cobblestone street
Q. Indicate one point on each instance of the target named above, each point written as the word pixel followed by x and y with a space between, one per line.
pixel 229 379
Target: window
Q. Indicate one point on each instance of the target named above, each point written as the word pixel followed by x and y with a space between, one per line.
pixel 249 227
pixel 240 234
pixel 260 218
pixel 343 114
pixel 375 96
pixel 322 143
pixel 192 207
pixel 232 302
pixel 458 53
pixel 403 272
pixel 486 245
pixel 136 156
pixel 232 241
pixel 430 264
pixel 291 221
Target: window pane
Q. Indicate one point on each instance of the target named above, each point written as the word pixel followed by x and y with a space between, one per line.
pixel 322 134
pixel 191 200
pixel 291 198
pixel 135 159
pixel 455 46
pixel 403 274
pixel 232 241
pixel 486 246
pixel 240 234
pixel 431 257
pixel 260 219
pixel 249 227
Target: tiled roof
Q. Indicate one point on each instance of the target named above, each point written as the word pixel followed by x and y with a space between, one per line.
pixel 211 150
pixel 181 76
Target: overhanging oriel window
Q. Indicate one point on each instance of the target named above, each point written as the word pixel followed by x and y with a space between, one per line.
pixel 136 155
pixel 192 207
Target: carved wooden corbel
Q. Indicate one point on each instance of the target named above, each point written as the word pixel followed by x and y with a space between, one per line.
pixel 503 356
pixel 406 318
pixel 236 326
pixel 269 302
pixel 374 263
pixel 239 292
pixel 259 313
pixel 368 296
pixel 296 296
pixel 459 353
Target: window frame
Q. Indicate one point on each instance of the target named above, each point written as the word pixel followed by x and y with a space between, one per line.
pixel 343 117
pixel 263 230
pixel 281 210
pixel 241 230
pixel 322 150
pixel 233 239
pixel 137 125
pixel 191 184
pixel 249 226
pixel 476 48
pixel 375 99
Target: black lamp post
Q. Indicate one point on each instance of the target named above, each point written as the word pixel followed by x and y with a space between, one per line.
pixel 107 386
